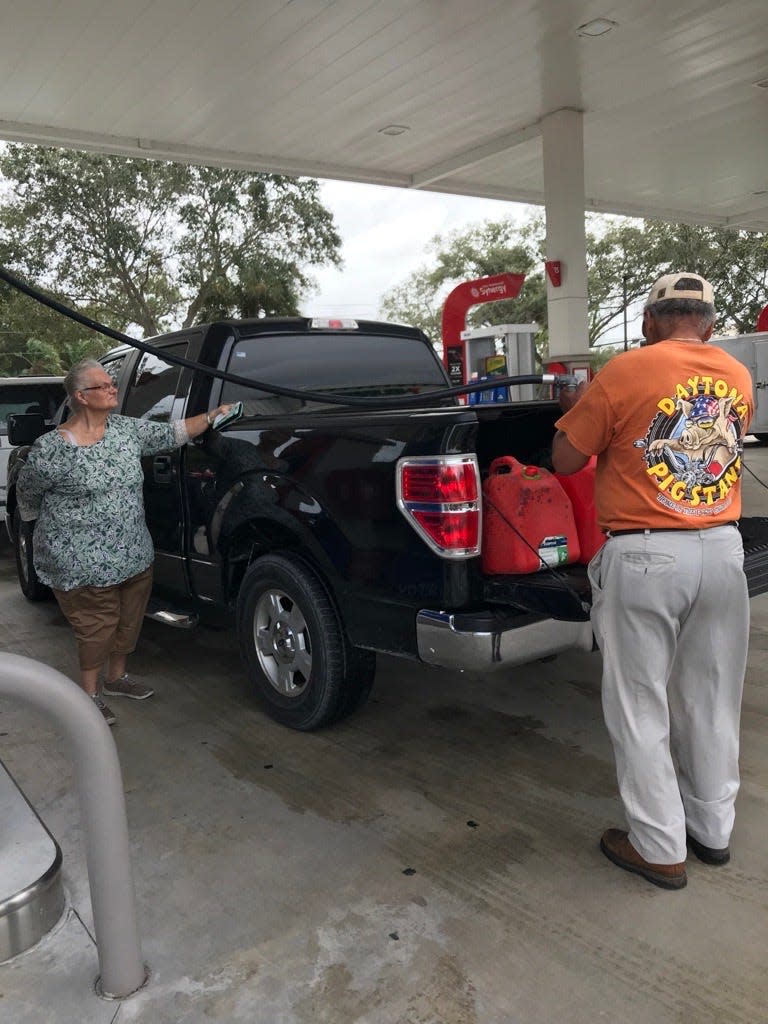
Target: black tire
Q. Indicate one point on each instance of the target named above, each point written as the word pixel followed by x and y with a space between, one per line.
pixel 358 680
pixel 762 438
pixel 31 587
pixel 292 642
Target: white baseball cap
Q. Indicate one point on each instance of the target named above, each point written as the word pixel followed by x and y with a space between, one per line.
pixel 681 286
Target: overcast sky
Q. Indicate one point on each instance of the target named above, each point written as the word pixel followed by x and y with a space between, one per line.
pixel 385 233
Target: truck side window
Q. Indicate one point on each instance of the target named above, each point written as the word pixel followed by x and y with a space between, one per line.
pixel 113 368
pixel 153 388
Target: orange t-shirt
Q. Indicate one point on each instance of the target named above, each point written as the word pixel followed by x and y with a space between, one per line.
pixel 667 423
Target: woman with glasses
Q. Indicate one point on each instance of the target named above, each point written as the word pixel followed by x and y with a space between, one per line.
pixel 82 483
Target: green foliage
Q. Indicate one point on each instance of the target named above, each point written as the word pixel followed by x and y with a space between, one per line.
pixel 152 245
pixel 46 357
pixel 600 356
pixel 734 262
pixel 417 301
pixel 624 257
pixel 35 340
pixel 493 247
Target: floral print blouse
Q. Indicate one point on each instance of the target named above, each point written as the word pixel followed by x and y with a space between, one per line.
pixel 89 504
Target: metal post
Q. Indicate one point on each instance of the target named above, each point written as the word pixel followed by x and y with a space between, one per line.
pixel 100 788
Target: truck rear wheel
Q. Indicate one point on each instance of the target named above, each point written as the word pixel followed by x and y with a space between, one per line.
pixel 31 587
pixel 358 681
pixel 293 643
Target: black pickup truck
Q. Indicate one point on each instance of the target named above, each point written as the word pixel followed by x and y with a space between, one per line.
pixel 329 533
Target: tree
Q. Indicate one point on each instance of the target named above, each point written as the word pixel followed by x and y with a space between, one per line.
pixel 155 245
pixel 36 340
pixel 493 247
pixel 624 257
pixel 734 262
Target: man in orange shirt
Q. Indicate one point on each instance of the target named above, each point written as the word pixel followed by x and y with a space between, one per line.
pixel 670 607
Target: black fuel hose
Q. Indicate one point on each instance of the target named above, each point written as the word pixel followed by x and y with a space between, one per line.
pixel 329 398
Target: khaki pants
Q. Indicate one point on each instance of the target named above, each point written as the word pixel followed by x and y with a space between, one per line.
pixel 106 620
pixel 671 614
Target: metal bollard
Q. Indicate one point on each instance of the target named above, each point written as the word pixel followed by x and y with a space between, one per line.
pixel 100 788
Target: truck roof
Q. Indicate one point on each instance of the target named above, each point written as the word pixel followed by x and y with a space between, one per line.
pixel 270 325
pixel 286 325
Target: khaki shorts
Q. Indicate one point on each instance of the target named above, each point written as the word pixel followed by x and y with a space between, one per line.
pixel 106 620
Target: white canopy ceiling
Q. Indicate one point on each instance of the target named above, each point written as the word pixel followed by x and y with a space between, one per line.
pixel 675 95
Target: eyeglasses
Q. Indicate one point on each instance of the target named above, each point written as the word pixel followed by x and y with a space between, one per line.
pixel 101 387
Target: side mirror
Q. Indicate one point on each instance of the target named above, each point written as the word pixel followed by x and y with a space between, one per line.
pixel 25 428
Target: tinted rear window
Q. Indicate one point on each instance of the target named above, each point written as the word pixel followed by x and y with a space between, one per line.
pixel 362 365
pixel 40 398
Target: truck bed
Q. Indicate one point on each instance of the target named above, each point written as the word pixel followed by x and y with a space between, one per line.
pixel 754 532
pixel 565 593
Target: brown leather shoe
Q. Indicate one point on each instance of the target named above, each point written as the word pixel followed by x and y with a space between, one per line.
pixel 616 846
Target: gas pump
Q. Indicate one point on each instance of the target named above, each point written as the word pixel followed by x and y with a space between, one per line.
pixel 455 309
pixel 502 350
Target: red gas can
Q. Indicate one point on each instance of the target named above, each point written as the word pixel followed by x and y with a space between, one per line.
pixel 542 530
pixel 580 488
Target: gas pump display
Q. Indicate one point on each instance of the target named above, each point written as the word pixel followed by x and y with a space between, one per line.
pixel 503 350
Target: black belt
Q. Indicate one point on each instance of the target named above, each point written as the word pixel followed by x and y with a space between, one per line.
pixel 661 529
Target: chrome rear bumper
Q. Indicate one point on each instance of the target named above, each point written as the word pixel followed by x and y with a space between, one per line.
pixel 440 642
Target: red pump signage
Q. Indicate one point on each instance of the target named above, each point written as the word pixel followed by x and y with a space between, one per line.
pixel 456 307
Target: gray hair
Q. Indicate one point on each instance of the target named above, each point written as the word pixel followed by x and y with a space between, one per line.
pixel 76 378
pixel 676 309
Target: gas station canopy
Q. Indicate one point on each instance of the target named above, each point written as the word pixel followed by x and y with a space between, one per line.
pixel 443 95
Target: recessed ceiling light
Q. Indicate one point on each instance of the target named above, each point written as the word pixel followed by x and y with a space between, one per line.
pixel 596 27
pixel 762 84
pixel 394 129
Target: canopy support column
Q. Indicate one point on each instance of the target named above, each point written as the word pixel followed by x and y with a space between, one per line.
pixel 563 145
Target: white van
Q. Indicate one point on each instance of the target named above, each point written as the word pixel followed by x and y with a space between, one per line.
pixel 42 395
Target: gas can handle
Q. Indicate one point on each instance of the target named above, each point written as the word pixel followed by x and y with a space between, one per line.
pixel 503 464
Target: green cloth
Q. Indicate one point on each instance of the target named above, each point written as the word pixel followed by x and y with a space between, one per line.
pixel 89 505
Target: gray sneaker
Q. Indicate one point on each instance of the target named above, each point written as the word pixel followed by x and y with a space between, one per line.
pixel 125 687
pixel 109 717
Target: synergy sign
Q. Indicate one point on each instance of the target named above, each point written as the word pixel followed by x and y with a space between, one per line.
pixel 456 307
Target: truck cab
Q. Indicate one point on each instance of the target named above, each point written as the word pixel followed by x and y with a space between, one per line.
pixel 326 533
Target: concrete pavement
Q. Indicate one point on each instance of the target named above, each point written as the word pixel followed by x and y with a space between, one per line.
pixel 432 860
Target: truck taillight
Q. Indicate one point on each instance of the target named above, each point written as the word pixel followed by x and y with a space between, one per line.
pixel 440 498
pixel 444 482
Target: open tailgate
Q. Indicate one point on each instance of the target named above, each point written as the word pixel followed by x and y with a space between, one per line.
pixel 565 593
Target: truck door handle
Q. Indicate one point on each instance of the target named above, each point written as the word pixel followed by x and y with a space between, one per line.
pixel 162 469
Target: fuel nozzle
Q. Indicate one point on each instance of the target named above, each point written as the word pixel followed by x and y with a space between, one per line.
pixel 561 381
